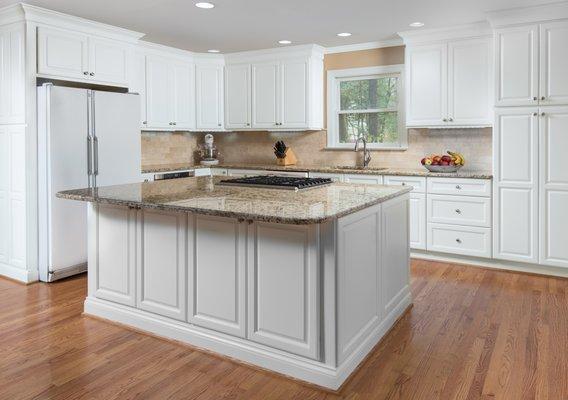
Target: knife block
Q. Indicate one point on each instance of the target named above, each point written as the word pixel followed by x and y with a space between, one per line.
pixel 289 159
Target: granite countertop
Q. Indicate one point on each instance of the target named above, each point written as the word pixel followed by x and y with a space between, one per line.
pixel 463 173
pixel 204 196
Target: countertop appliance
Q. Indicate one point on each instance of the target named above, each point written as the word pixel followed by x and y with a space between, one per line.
pixel 277 182
pixel 86 138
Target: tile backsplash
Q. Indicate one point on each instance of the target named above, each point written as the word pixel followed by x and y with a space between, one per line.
pixel 256 148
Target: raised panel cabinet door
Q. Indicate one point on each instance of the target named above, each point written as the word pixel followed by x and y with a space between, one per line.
pixel 159 97
pixel 113 258
pixel 162 263
pixel 554 63
pixel 12 70
pixel 427 88
pixel 469 82
pixel 184 97
pixel 108 61
pixel 515 197
pixel 209 96
pixel 516 63
pixel 237 96
pixel 217 274
pixel 282 287
pixel 137 82
pixel 62 53
pixel 265 89
pixel 294 93
pixel 4 193
pixel 417 218
pixel 553 186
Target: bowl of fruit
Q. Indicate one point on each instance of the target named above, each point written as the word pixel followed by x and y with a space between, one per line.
pixel 450 162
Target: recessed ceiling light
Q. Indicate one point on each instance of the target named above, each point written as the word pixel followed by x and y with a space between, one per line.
pixel 284 42
pixel 344 34
pixel 417 24
pixel 204 5
pixel 213 51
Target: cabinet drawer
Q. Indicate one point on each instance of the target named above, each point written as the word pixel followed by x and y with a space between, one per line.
pixel 459 210
pixel 418 183
pixel 464 240
pixel 466 187
pixel 219 172
pixel 333 177
pixel 363 179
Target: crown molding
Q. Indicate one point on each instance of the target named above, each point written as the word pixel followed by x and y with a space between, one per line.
pixel 478 29
pixel 160 49
pixel 282 52
pixel 44 16
pixel 12 14
pixel 364 46
pixel 528 15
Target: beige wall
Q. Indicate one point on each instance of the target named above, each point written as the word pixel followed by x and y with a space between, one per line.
pixel 256 147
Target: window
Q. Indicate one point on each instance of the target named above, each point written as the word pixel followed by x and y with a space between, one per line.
pixel 366 102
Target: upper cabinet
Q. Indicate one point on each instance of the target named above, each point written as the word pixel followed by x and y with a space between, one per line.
pixel 71 55
pixel 449 79
pixel 275 90
pixel 12 72
pixel 209 82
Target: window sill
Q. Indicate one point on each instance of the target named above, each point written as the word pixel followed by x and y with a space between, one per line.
pixel 351 148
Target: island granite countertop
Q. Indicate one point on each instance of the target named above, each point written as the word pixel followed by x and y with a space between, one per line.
pixel 203 195
pixel 463 173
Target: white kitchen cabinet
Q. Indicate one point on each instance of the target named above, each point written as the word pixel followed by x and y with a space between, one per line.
pixel 427 93
pixel 71 55
pixel 294 93
pixel 162 263
pixel 516 55
pixel 217 280
pixel 237 96
pixel 12 71
pixel 282 275
pixel 333 177
pixel 515 198
pixel 449 83
pixel 243 173
pixel 183 95
pixel 209 97
pixel 137 82
pixel 265 89
pixel 417 218
pixel 553 127
pixel 462 240
pixel 553 88
pixel 363 179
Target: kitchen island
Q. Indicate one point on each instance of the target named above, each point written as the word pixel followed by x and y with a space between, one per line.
pixel 304 283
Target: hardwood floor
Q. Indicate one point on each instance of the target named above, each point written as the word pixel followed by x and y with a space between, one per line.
pixel 472 334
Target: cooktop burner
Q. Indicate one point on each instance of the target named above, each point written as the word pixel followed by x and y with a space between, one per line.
pixel 277 182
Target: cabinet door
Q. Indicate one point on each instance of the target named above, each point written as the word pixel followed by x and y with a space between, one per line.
pixel 516 61
pixel 469 82
pixel 209 97
pixel 554 63
pixel 553 186
pixel 294 94
pixel 12 70
pixel 217 279
pixel 417 233
pixel 62 53
pixel 158 93
pixel 363 179
pixel 265 88
pixel 515 207
pixel 427 94
pixel 237 96
pixel 137 82
pixel 108 61
pixel 183 96
pixel 282 287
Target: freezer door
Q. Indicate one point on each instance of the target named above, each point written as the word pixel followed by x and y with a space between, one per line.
pixel 62 158
pixel 117 136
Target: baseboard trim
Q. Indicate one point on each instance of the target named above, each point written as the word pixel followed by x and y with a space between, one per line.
pixel 296 367
pixel 533 269
pixel 18 274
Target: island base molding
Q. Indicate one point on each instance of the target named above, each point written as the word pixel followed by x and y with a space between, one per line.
pixel 307 301
pixel 241 350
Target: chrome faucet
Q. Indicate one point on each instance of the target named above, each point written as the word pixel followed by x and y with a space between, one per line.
pixel 366 152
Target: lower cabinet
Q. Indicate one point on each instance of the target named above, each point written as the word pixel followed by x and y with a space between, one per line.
pixel 363 179
pixel 417 213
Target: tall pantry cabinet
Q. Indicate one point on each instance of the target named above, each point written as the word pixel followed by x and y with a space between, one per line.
pixel 531 137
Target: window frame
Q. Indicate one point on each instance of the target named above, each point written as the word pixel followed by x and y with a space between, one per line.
pixel 334 79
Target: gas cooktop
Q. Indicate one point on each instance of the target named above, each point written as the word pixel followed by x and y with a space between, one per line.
pixel 277 182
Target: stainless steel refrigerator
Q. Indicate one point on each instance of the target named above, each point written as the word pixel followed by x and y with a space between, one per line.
pixel 86 138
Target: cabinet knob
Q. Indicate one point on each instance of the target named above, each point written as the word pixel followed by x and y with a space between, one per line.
pixel 535 98
pixel 85 73
pixel 458 240
pixel 445 120
pixel 458 187
pixel 248 124
pixel 403 183
pixel 174 123
pixel 543 98
pixel 218 124
pixel 535 114
pixel 542 114
pixel 458 211
pixel 451 119
pixel 145 122
pixel 92 74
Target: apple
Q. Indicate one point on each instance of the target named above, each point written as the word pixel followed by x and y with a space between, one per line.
pixel 446 159
pixel 423 161
pixel 444 163
pixel 436 159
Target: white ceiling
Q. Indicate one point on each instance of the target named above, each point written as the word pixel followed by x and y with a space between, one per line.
pixel 236 25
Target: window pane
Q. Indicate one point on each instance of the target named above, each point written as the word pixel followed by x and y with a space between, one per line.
pixel 375 127
pixel 367 94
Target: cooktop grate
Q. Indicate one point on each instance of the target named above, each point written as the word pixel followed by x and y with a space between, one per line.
pixel 277 182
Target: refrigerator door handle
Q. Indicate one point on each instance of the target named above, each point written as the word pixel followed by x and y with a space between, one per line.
pixel 96 156
pixel 89 155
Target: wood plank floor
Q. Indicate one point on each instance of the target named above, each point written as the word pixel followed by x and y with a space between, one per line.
pixel 472 334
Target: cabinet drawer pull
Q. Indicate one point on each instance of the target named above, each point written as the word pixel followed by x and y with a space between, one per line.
pixel 92 74
pixel 458 211
pixel 403 183
pixel 535 98
pixel 458 187
pixel 445 120
pixel 542 114
pixel 543 98
pixel 85 73
pixel 458 240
